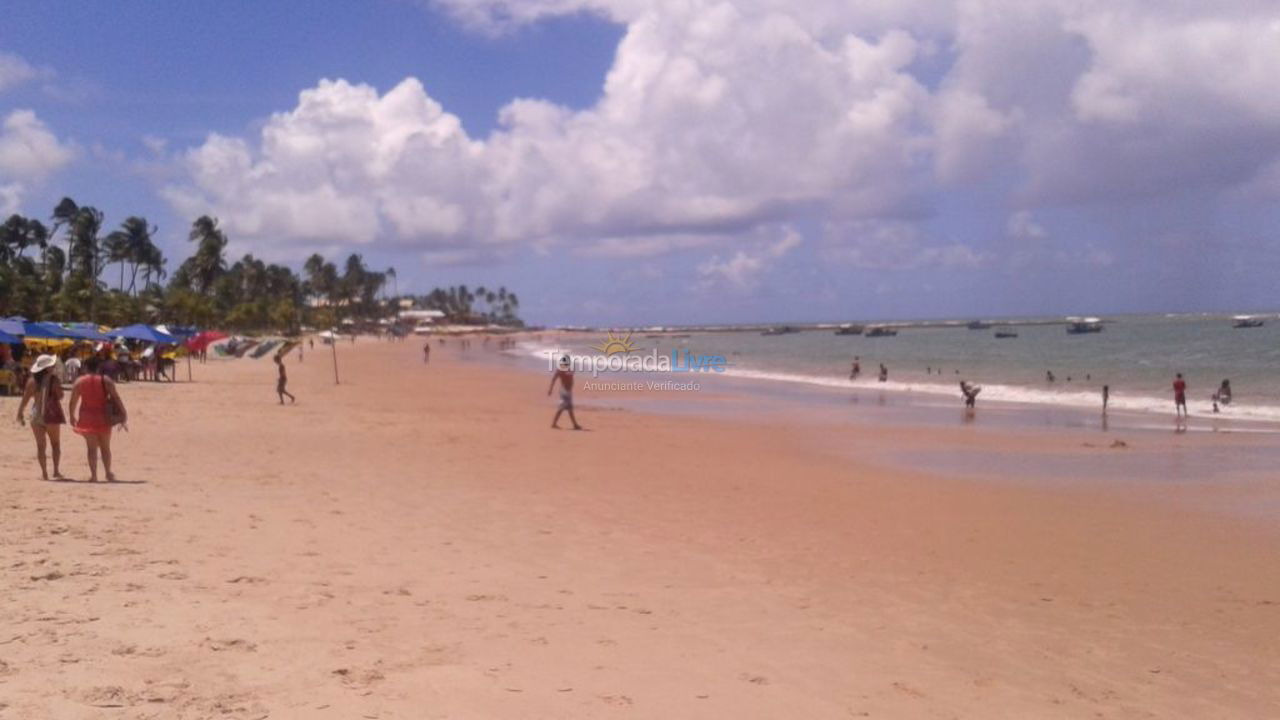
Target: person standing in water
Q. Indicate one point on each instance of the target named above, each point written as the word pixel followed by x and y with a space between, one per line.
pixel 564 373
pixel 1106 396
pixel 884 373
pixel 91 398
pixel 282 381
pixel 856 369
pixel 44 393
pixel 1179 395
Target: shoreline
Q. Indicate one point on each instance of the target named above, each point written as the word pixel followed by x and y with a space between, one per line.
pixel 900 404
pixel 417 543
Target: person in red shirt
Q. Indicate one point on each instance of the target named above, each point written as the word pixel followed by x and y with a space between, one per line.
pixel 1179 395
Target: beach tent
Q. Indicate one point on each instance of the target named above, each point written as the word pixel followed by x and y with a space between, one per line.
pixel 202 341
pixel 144 333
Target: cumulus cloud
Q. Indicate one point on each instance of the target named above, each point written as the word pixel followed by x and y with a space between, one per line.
pixel 721 118
pixel 29 154
pixel 743 270
pixel 893 245
pixel 14 71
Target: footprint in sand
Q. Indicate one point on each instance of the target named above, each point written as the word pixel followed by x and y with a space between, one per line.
pixel 232 644
pixel 358 678
pixel 105 696
pixel 247 580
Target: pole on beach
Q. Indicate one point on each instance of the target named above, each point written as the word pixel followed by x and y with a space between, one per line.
pixel 188 364
pixel 333 344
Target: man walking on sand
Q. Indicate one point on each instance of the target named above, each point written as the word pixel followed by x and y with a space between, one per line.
pixel 1180 396
pixel 426 352
pixel 282 381
pixel 564 373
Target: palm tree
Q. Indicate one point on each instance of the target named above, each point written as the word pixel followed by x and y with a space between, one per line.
pixel 64 214
pixel 208 262
pixel 131 244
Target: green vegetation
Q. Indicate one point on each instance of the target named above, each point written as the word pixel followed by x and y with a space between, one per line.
pixel 40 280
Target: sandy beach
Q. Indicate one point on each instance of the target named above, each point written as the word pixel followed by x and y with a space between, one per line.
pixel 416 543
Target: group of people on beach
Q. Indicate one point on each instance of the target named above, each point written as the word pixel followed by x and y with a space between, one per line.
pixel 969 391
pixel 856 369
pixel 94 409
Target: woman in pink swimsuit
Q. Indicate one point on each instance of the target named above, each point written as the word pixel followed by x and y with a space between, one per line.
pixel 90 417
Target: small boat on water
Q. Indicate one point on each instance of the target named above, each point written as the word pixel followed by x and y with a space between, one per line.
pixel 849 330
pixel 978 325
pixel 783 330
pixel 1005 334
pixel 880 331
pixel 1083 326
pixel 1247 321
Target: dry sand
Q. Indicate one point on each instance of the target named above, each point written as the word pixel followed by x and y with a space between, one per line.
pixel 415 543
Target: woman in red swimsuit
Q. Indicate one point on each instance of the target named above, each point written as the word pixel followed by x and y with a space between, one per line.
pixel 89 415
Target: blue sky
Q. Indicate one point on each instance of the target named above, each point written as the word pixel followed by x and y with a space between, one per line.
pixel 752 161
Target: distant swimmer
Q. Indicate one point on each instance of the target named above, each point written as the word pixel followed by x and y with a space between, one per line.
pixel 1179 395
pixel 564 373
pixel 856 369
pixel 884 373
pixel 1223 396
pixel 1048 376
pixel 970 393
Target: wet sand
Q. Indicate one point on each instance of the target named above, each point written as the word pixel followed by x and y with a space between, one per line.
pixel 416 543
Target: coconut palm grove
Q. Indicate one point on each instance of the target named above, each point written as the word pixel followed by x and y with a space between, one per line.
pixel 73 267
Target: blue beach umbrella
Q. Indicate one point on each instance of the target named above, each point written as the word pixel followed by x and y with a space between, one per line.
pixel 144 333
pixel 7 339
pixel 44 331
pixel 87 331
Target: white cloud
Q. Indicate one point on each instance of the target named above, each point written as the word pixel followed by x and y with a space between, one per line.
pixel 713 119
pixel 743 269
pixel 10 198
pixel 1021 226
pixel 893 245
pixel 721 118
pixel 14 71
pixel 29 154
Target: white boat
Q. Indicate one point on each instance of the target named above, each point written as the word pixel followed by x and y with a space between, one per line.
pixel 1247 321
pixel 1083 325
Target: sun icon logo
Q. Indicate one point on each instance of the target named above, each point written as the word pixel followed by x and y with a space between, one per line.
pixel 616 344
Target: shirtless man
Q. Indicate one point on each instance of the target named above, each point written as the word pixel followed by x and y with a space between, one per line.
pixel 856 368
pixel 563 373
pixel 282 381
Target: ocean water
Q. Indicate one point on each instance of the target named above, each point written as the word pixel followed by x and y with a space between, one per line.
pixel 1136 356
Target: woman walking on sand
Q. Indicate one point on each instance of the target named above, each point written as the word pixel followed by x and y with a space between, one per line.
pixel 95 406
pixel 44 393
